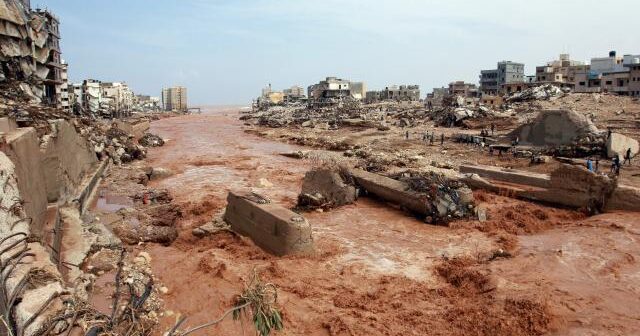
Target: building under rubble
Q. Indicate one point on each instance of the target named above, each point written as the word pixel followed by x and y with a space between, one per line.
pixel 395 92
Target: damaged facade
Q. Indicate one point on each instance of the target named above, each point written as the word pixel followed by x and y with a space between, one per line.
pixel 30 50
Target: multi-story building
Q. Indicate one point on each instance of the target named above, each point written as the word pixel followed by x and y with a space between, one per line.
pixel 175 99
pixel 634 77
pixel 610 74
pixel 557 71
pixel 507 72
pixel 436 97
pixel 91 96
pixel 460 88
pixel 117 98
pixel 53 80
pixel 65 101
pixel 401 93
pixel 331 87
pixel 293 93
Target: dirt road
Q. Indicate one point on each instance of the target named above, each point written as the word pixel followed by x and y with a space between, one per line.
pixel 374 271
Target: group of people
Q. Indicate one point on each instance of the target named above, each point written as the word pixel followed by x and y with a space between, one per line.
pixel 428 137
pixel 615 163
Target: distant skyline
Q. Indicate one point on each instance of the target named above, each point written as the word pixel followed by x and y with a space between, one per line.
pixel 224 52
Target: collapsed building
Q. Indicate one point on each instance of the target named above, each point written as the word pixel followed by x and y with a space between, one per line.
pixel 334 90
pixel 30 50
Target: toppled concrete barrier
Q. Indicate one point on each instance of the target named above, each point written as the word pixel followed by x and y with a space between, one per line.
pixel 391 190
pixel 272 227
pixel 508 175
pixel 325 187
pixel 570 186
pixel 437 197
pixel 618 144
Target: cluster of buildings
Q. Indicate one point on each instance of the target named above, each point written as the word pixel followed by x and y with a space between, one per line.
pixel 333 89
pixel 30 53
pixel 611 74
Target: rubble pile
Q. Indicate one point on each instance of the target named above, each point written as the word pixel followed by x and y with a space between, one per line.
pixel 448 198
pixel 380 116
pixel 450 116
pixel 151 140
pixel 542 92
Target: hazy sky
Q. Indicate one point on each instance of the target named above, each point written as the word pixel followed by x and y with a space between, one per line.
pixel 224 52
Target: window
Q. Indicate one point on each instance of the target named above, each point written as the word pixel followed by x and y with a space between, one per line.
pixel 582 83
pixel 608 82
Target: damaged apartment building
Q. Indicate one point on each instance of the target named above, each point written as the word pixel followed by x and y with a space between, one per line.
pixel 334 89
pixel 395 92
pixel 30 51
pixel 270 97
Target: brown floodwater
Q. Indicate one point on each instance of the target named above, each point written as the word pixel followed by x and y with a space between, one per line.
pixel 372 271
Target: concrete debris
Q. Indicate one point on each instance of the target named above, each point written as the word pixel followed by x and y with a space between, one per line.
pixel 151 140
pixel 618 144
pixel 542 92
pixel 272 227
pixel 558 127
pixel 448 198
pixel 326 187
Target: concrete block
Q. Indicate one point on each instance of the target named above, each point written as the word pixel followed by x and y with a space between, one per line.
pixel 7 125
pixel 508 175
pixel 67 158
pixel 393 191
pixel 23 148
pixel 619 144
pixel 624 198
pixel 272 227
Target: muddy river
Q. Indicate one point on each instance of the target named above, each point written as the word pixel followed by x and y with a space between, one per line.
pixel 372 271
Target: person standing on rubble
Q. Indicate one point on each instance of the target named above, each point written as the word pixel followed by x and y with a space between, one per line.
pixel 589 164
pixel 493 128
pixel 627 156
pixel 615 165
pixel 441 139
pixel 406 135
pixel 597 163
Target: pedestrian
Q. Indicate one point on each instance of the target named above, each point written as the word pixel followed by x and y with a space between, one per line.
pixel 424 136
pixel 597 164
pixel 432 138
pixel 589 164
pixel 627 156
pixel 441 139
pixel 493 128
pixel 406 135
pixel 616 164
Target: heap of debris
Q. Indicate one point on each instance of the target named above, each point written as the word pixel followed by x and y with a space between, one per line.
pixel 448 198
pixel 151 140
pixel 542 92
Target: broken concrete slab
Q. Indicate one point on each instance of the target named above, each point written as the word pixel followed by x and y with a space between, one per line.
pixel 272 227
pixel 392 190
pixel 624 198
pixel 618 144
pixel 325 187
pixel 7 125
pixel 508 175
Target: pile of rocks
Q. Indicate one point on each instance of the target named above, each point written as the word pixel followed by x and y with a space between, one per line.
pixel 151 140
